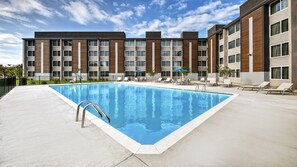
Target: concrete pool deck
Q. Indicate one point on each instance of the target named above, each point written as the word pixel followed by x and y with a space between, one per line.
pixel 38 129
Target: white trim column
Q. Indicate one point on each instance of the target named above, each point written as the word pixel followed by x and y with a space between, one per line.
pixel 171 58
pixel 41 58
pixel 211 56
pixel 251 44
pixel 153 56
pixel 79 59
pixel 190 56
pixel 116 58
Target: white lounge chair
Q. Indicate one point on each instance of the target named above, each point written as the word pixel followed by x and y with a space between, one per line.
pixel 227 82
pixel 168 80
pixel 282 88
pixel 119 79
pixel 212 81
pixel 159 80
pixel 202 79
pixel 73 80
pixel 126 79
pixel 258 87
pixel 136 79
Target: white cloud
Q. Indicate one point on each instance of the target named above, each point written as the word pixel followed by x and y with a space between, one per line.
pixel 115 4
pixel 41 21
pixel 180 5
pixel 196 20
pixel 158 2
pixel 124 5
pixel 10 50
pixel 87 12
pixel 14 9
pixel 7 38
pixel 139 10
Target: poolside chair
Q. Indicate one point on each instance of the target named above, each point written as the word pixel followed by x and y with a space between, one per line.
pixel 258 87
pixel 202 79
pixel 168 80
pixel 284 87
pixel 159 80
pixel 119 79
pixel 73 80
pixel 227 82
pixel 126 79
pixel 212 81
pixel 136 79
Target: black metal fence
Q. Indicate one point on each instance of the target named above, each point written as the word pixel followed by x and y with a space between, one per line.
pixel 6 84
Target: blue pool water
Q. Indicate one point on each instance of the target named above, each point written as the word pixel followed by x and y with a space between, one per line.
pixel 145 114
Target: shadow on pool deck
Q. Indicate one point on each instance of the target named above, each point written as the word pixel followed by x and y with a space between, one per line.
pixel 38 129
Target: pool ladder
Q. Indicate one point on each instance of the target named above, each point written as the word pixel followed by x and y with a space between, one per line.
pixel 203 87
pixel 95 106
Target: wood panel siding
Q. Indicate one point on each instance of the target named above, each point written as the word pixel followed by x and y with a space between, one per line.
pixel 112 54
pixel 46 56
pixel 149 55
pixel 258 44
pixel 83 54
pixel 294 42
pixel 212 60
pixel 186 54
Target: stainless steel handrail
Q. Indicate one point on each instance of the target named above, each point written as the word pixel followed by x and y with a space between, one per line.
pixel 97 108
pixel 77 110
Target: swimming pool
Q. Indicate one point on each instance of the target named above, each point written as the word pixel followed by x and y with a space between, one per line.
pixel 144 114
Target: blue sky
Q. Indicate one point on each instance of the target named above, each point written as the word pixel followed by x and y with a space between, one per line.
pixel 21 18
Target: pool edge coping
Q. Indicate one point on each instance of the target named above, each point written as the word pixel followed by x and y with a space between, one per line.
pixel 163 144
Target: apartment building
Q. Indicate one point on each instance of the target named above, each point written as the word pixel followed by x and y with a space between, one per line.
pixel 109 55
pixel 259 45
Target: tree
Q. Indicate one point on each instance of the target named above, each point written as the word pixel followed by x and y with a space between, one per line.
pixel 152 74
pixel 225 71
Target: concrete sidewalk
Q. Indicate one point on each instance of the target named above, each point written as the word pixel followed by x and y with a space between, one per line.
pixel 38 129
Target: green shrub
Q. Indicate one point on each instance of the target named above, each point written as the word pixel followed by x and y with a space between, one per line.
pixel 32 82
pixel 43 82
pixel 56 81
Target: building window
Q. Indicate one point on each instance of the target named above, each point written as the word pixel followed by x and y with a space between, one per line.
pixel 202 43
pixel 31 73
pixel 202 53
pixel 56 43
pixel 285 25
pixel 165 43
pixel 31 53
pixel 104 63
pixel 279 27
pixel 280 73
pixel 165 53
pixel 67 43
pixel 129 53
pixel 92 53
pixel 67 63
pixel 177 63
pixel 129 43
pixel 104 43
pixel 140 53
pixel 56 73
pixel 31 63
pixel 231 59
pixel 280 50
pixel 93 43
pixel 165 73
pixel 278 6
pixel 237 42
pixel 221 48
pixel 221 60
pixel 234 28
pixel 177 43
pixel 56 53
pixel 221 36
pixel 165 63
pixel 93 73
pixel 30 43
pixel 129 63
pixel 93 63
pixel 176 74
pixel 237 27
pixel 231 44
pixel 67 53
pixel 237 73
pixel 56 63
pixel 140 43
pixel 129 73
pixel 176 53
pixel 140 63
pixel 237 58
pixel 104 53
pixel 202 63
pixel 202 73
pixel 104 73
pixel 67 73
